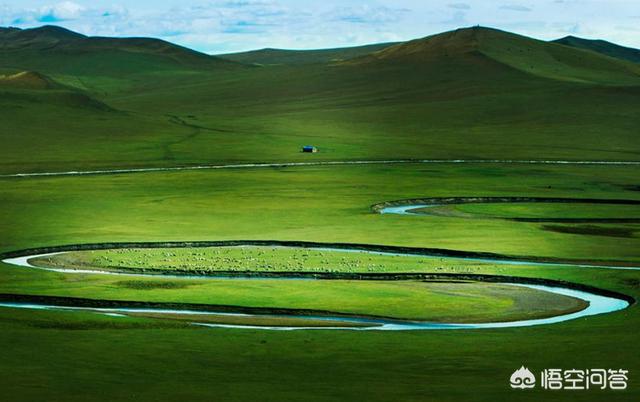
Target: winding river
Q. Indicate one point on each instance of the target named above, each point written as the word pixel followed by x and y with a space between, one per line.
pixel 598 301
pixel 596 304
pixel 406 207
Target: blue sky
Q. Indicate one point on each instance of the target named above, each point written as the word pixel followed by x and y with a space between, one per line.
pixel 219 26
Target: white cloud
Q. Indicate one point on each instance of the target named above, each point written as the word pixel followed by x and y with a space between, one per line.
pixel 459 6
pixel 63 11
pixel 366 14
pixel 515 7
pixel 66 11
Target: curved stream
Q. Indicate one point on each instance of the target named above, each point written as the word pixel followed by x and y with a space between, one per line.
pixel 409 208
pixel 597 304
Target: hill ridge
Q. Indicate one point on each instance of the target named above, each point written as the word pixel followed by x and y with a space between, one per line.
pixel 273 56
pixel 602 46
pixel 34 43
pixel 531 56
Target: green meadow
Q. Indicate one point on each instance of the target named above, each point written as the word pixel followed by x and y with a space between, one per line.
pixel 90 103
pixel 533 210
pixel 244 259
pixel 286 204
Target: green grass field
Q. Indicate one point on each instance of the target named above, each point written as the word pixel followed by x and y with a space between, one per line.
pixel 230 205
pixel 470 94
pixel 251 259
pixel 428 301
pixel 534 210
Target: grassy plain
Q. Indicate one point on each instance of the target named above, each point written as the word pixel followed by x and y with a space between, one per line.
pixel 594 219
pixel 286 204
pixel 262 259
pixel 430 301
pixel 551 210
pixel 326 204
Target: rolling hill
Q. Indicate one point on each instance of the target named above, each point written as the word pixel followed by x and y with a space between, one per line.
pixel 474 93
pixel 42 38
pixel 535 57
pixel 26 88
pixel 298 57
pixel 55 50
pixel 603 47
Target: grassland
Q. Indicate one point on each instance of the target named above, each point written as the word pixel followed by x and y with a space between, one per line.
pixel 243 320
pixel 550 211
pixel 231 205
pixel 467 101
pixel 429 301
pixel 596 219
pixel 457 104
pixel 250 259
pixel 325 204
pixel 602 46
pixel 303 57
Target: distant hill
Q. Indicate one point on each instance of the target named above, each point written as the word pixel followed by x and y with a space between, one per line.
pixel 549 60
pixel 52 49
pixel 299 57
pixel 472 93
pixel 37 38
pixel 603 47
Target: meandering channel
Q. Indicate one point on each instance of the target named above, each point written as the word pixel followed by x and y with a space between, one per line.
pixel 598 301
pixel 597 304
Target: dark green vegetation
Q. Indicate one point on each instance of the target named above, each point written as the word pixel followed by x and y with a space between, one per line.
pixel 483 48
pixel 593 230
pixel 474 93
pixel 53 49
pixel 603 47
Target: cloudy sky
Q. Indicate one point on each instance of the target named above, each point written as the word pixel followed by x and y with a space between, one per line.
pixel 219 26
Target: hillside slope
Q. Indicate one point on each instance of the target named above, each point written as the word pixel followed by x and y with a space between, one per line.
pixel 27 80
pixel 603 47
pixel 56 50
pixel 544 59
pixel 298 57
pixel 466 94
